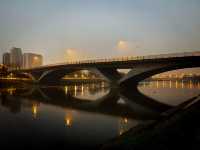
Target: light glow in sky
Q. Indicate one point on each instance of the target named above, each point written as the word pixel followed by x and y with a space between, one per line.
pixel 122 45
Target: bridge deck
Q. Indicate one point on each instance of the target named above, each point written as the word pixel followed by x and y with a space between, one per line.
pixel 136 59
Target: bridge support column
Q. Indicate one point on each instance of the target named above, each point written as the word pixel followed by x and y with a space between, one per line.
pixel 36 76
pixel 110 74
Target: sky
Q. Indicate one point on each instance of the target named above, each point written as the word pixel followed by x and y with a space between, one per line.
pixel 63 30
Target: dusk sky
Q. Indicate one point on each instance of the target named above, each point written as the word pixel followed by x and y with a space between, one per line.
pixel 62 30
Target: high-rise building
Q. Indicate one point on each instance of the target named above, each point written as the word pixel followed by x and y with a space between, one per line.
pixel 16 58
pixel 6 59
pixel 31 60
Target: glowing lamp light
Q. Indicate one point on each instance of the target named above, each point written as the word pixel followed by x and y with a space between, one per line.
pixel 11 91
pixel 122 45
pixel 82 76
pixel 75 75
pixel 35 58
pixel 120 132
pixel 66 89
pixel 82 90
pixel 34 110
pixel 125 120
pixel 68 121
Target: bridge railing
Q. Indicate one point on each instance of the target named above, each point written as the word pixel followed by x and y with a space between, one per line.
pixel 124 59
pixel 128 58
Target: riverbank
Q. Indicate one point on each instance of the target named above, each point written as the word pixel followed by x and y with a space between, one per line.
pixel 179 130
pixel 5 82
pixel 78 81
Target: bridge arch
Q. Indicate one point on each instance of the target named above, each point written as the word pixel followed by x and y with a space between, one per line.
pixel 54 76
pixel 141 73
pixel 23 74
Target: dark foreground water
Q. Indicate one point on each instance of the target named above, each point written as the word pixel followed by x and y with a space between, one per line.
pixel 83 115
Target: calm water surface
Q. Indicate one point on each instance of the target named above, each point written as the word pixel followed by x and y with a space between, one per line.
pixel 84 115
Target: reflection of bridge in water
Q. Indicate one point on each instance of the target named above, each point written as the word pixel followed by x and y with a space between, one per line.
pixel 113 103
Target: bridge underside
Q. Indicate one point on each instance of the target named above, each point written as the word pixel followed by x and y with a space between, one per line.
pixel 53 77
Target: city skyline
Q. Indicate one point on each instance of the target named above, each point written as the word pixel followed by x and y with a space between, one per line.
pixel 63 30
pixel 17 59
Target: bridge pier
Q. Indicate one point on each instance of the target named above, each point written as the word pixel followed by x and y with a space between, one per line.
pixel 110 74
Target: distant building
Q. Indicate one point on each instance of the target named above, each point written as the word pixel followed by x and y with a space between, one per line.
pixel 31 60
pixel 16 58
pixel 6 59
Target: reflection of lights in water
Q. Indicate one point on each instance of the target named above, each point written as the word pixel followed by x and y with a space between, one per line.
pixel 163 84
pixel 68 120
pixel 157 84
pixel 171 84
pixel 125 120
pixel 11 75
pixel 82 90
pixel 123 125
pixel 182 84
pixel 66 89
pixel 11 91
pixel 176 84
pixel 121 132
pixel 34 110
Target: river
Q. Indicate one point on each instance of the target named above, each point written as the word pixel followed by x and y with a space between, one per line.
pixel 83 115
